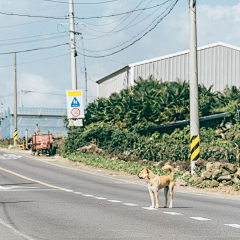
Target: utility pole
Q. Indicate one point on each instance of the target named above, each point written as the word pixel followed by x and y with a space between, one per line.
pixel 85 70
pixel 15 101
pixel 73 46
pixel 193 74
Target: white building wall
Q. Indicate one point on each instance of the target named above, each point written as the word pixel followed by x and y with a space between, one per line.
pixel 114 84
pixel 218 65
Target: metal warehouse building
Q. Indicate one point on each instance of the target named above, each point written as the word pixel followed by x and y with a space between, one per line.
pixel 218 65
pixel 48 119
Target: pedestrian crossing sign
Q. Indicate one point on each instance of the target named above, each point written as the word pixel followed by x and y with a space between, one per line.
pixel 75 102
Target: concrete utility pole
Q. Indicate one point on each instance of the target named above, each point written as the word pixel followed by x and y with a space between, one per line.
pixel 73 46
pixel 85 71
pixel 15 101
pixel 193 74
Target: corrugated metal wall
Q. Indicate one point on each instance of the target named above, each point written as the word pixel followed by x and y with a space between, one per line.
pixel 48 119
pixel 218 65
pixel 113 84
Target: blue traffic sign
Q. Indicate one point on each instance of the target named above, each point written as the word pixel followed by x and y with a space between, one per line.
pixel 75 103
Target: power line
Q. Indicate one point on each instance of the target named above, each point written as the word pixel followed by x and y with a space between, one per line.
pixel 34 36
pixel 126 27
pixel 118 30
pixel 36 40
pixel 103 50
pixel 40 32
pixel 171 8
pixel 34 49
pixel 83 3
pixel 91 17
pixel 21 24
pixel 43 59
pixel 128 15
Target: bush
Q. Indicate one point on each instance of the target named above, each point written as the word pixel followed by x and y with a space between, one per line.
pixel 157 147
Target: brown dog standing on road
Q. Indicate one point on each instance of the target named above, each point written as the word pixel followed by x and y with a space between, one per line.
pixel 156 183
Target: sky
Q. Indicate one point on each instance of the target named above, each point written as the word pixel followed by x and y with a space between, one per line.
pixel 44 76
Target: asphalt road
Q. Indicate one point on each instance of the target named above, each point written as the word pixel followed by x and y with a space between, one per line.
pixel 43 200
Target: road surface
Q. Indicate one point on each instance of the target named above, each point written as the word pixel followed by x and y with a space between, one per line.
pixel 41 199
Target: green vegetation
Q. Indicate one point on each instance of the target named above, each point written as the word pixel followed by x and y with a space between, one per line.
pixel 155 102
pixel 117 165
pixel 4 145
pixel 121 126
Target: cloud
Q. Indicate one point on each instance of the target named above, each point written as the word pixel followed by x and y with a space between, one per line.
pixel 42 92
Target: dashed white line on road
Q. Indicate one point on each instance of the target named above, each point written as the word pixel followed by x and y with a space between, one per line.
pixel 233 225
pixel 114 201
pixel 200 218
pixel 173 213
pixel 130 204
pixel 78 193
pixel 87 195
pixel 68 190
pixel 100 198
pixel 150 208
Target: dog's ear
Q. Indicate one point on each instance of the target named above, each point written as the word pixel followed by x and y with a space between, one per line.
pixel 146 169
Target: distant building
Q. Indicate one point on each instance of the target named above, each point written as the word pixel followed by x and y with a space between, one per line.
pixel 218 65
pixel 48 120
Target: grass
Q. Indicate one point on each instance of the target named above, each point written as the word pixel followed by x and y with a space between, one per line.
pixel 3 145
pixel 116 165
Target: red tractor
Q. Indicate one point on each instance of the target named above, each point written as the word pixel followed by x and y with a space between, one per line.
pixel 43 144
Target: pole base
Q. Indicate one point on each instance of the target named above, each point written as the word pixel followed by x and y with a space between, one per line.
pixel 192 167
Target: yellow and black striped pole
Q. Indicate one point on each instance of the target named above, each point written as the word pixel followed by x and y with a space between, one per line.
pixel 195 148
pixel 15 136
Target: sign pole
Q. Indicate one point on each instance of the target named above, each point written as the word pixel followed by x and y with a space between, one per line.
pixel 193 74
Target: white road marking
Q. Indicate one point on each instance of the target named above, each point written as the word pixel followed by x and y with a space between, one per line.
pixel 87 195
pixel 130 204
pixel 100 198
pixel 114 201
pixel 78 193
pixel 17 232
pixel 233 225
pixel 15 187
pixel 68 190
pixel 200 218
pixel 28 190
pixel 149 208
pixel 9 156
pixel 173 213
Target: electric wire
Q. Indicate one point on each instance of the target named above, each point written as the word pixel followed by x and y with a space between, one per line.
pixel 159 20
pixel 83 3
pixel 91 17
pixel 142 1
pixel 40 32
pixel 38 60
pixel 37 40
pixel 34 49
pixel 34 36
pixel 21 24
pixel 128 27
pixel 120 29
pixel 103 50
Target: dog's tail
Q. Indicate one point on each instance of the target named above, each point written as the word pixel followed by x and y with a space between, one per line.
pixel 167 167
